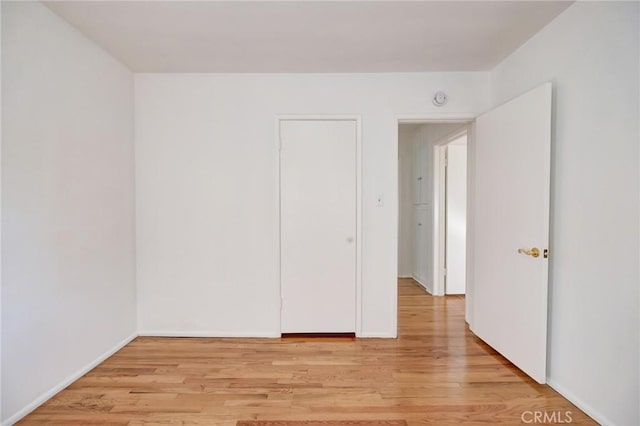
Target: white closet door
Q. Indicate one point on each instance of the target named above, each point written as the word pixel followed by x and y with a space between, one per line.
pixel 318 225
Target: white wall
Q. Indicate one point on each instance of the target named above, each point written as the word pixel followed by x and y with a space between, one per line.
pixel 207 190
pixel 590 52
pixel 433 134
pixel 406 136
pixel 68 292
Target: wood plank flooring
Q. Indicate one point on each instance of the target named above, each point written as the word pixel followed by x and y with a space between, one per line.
pixel 436 372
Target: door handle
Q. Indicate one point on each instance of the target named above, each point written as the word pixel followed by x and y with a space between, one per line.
pixel 534 252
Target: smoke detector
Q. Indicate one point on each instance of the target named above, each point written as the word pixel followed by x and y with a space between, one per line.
pixel 439 98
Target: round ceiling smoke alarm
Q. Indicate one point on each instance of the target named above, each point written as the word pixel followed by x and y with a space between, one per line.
pixel 439 99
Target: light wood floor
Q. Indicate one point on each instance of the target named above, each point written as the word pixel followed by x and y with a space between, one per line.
pixel 436 372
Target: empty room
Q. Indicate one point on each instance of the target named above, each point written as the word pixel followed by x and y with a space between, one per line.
pixel 299 213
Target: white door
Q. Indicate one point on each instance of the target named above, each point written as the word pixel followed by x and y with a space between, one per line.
pixel 512 164
pixel 456 223
pixel 318 226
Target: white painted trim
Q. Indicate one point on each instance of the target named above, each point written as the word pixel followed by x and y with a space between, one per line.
pixel 381 335
pixel 0 215
pixel 435 118
pixel 589 410
pixel 318 117
pixel 359 321
pixel 329 117
pixel 427 287
pixel 438 230
pixel 471 176
pixel 66 382
pixel 219 334
pixel 278 145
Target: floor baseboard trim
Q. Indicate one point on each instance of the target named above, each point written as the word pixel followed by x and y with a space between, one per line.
pixel 66 382
pixel 425 286
pixel 589 411
pixel 243 335
pixel 377 336
pixel 220 334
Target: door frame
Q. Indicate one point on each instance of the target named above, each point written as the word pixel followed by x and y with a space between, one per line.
pixel 447 118
pixel 439 208
pixel 324 117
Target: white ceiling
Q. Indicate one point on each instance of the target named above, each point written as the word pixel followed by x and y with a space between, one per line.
pixel 308 36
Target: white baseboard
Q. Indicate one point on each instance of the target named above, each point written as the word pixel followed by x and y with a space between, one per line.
pixel 187 333
pixel 375 335
pixel 66 382
pixel 426 286
pixel 152 333
pixel 236 334
pixel 589 411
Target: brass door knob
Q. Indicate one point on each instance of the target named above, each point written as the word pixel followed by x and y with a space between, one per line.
pixel 534 252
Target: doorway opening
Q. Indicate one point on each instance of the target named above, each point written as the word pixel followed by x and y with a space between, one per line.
pixel 432 210
pixel 507 220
